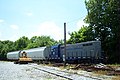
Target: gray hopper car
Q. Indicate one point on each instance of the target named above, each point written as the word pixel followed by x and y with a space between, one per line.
pixel 40 53
pixel 13 55
pixel 82 52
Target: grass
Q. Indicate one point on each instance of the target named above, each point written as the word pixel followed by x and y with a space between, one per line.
pixel 96 72
pixel 101 72
pixel 116 78
pixel 114 66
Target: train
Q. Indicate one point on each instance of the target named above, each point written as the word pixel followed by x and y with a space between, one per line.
pixel 84 52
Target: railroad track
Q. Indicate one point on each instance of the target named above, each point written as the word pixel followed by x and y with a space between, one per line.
pixel 63 74
pixel 66 77
pixel 96 78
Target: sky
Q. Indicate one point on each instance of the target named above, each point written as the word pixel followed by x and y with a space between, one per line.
pixel 40 17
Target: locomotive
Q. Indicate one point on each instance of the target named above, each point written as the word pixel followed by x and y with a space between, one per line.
pixel 84 52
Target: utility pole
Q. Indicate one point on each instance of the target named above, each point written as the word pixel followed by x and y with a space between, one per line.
pixel 64 55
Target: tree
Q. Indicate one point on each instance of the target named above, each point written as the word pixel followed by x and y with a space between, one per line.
pixel 84 34
pixel 40 41
pixel 45 41
pixel 5 47
pixel 103 18
pixel 33 43
pixel 33 39
pixel 22 43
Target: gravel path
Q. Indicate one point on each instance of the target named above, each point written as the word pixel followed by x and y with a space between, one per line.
pixel 11 71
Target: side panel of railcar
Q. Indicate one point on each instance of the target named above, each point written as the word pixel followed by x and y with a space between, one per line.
pixel 36 53
pixel 80 52
pixel 55 53
pixel 13 55
pixel 47 52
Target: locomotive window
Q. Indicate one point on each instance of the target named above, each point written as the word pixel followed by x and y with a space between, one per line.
pixel 87 44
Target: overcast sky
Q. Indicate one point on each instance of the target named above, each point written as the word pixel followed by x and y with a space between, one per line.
pixel 40 17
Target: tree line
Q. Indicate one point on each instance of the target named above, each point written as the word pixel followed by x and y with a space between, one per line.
pixel 104 24
pixel 25 43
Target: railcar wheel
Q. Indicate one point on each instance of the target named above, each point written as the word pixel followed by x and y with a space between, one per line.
pixel 16 62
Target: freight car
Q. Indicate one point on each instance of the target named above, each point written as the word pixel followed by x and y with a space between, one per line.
pixel 18 57
pixel 89 52
pixel 55 54
pixel 75 53
pixel 40 54
pixel 36 54
pixel 13 55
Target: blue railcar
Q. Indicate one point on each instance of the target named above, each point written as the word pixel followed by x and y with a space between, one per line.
pixel 55 53
pixel 82 52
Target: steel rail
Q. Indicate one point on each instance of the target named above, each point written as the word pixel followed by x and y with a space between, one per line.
pixel 44 69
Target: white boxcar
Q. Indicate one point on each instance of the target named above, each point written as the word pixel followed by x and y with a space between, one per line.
pixel 37 53
pixel 13 55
